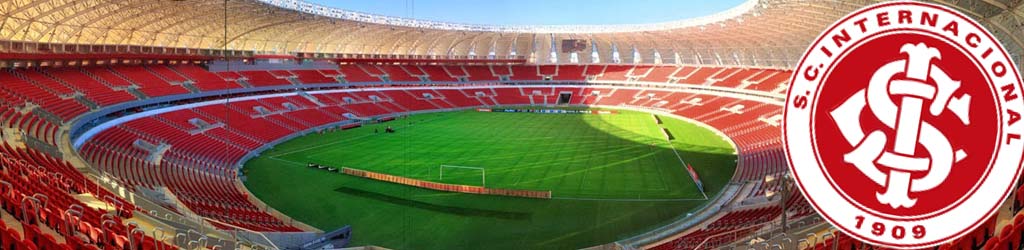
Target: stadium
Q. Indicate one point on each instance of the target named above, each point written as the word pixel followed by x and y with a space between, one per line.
pixel 285 124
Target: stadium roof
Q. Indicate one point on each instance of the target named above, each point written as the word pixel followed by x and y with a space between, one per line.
pixel 540 12
pixel 757 32
pixel 342 14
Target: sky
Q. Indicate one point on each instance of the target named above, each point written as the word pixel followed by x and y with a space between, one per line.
pixel 538 12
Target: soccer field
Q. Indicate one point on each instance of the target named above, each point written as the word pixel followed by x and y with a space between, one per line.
pixel 611 176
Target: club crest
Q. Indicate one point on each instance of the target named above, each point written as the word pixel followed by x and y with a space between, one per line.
pixel 902 124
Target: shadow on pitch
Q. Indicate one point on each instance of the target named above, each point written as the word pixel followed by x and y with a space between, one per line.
pixel 461 211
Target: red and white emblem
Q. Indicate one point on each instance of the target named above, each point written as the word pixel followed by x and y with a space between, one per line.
pixel 902 124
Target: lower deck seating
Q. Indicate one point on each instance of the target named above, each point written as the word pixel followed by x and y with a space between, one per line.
pixel 727 228
pixel 736 225
pixel 39 190
pixel 987 237
pixel 197 167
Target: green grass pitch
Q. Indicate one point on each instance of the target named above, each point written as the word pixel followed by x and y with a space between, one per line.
pixel 611 176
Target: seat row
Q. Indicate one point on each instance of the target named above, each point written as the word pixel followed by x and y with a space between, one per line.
pixel 768 80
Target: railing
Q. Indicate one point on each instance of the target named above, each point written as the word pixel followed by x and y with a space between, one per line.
pixel 187 237
pixel 727 233
pixel 675 228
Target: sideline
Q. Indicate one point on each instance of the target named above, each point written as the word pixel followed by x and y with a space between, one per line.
pixel 680 157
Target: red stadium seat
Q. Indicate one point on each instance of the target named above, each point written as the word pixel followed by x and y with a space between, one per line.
pixel 1008 237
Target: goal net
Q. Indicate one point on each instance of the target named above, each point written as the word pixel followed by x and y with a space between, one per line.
pixel 463 175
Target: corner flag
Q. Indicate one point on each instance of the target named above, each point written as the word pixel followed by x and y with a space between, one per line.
pixel 696 178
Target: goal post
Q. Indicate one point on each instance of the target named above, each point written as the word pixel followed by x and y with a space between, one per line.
pixel 482 171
